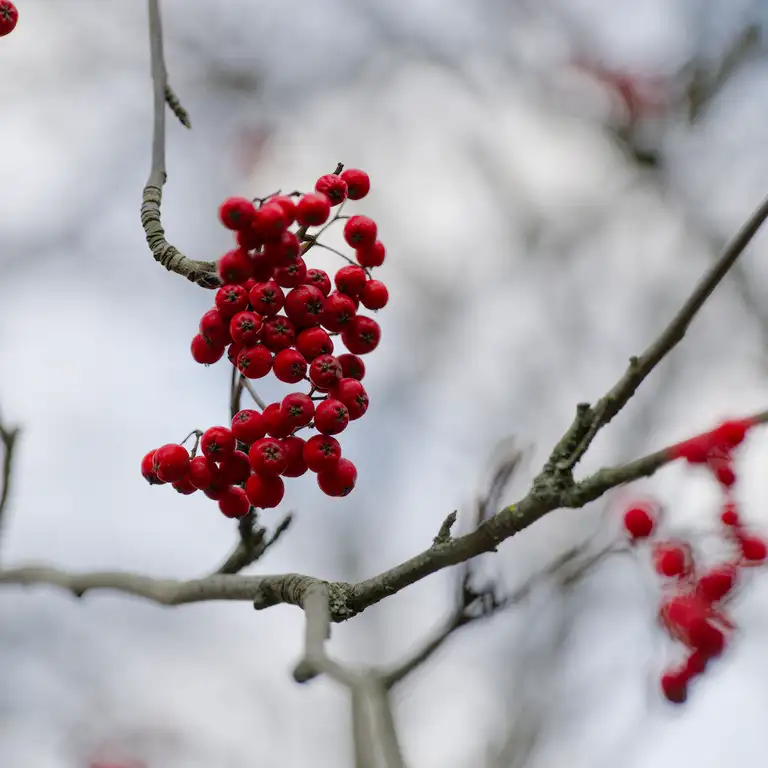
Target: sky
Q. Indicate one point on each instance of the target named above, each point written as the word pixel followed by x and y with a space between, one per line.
pixel 527 260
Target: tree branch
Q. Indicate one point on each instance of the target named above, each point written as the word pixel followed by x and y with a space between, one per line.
pixel 253 543
pixel 201 272
pixel 8 438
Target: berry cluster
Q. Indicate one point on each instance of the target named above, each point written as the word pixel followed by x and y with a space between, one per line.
pixel 273 314
pixel 9 17
pixel 694 600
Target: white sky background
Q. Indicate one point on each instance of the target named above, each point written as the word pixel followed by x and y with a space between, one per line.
pixel 527 261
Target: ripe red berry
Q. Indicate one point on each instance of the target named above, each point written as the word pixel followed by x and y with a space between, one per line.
pixel 374 295
pixel 290 366
pixel 358 183
pixel 313 342
pixel 304 305
pixel 171 462
pixel 333 187
pixel 235 267
pixel 338 310
pixel 331 417
pixel 278 333
pixel 695 664
pixel 293 275
pixel 214 326
pixel 216 490
pixel 245 328
pixel 706 637
pixel 262 269
pixel 730 516
pixel 234 502
pixel 148 469
pixel 372 256
pixel 268 457
pixel 670 560
pixel 233 352
pixel 205 351
pixel 717 583
pixel 248 426
pixel 321 453
pixel 325 372
pixel 313 210
pixel 265 491
pixel 753 548
pixel 9 17
pixel 360 232
pixel 361 335
pixel 270 222
pixel 237 213
pixel 231 299
pixel 284 251
pixel 288 206
pixel 725 475
pixel 352 367
pixel 235 469
pixel 319 279
pixel 297 409
pixel 267 298
pixel 202 472
pixel 255 362
pixel 352 393
pixel 217 443
pixel 338 481
pixel 294 449
pixel 278 425
pixel 184 486
pixel 350 280
pixel 674 685
pixel 248 239
pixel 638 522
pixel 732 433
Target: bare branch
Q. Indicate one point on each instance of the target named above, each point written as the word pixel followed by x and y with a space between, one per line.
pixel 589 420
pixel 8 438
pixel 172 100
pixel 253 543
pixel 201 272
pixel 252 392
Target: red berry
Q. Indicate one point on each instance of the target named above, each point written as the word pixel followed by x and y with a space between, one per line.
pixel 706 637
pixel 338 310
pixel 297 409
pixel 233 352
pixel 184 486
pixel 270 222
pixel 716 584
pixel 236 213
pixel 234 502
pixel 325 372
pixel 9 17
pixel 358 183
pixel 245 328
pixel 262 268
pixel 284 251
pixel 372 256
pixel 255 362
pixel 752 548
pixel 217 489
pixel 304 305
pixel 319 279
pixel 313 342
pixel 171 462
pixel 276 421
pixel 321 453
pixel 730 516
pixel 695 664
pixel 294 449
pixel 278 333
pixel 638 522
pixel 205 351
pixel 293 275
pixel 235 267
pixel 333 187
pixel 725 475
pixel 202 472
pixel 670 560
pixel 732 433
pixel 360 232
pixel 217 443
pixel 338 481
pixel 214 326
pixel 331 417
pixel 248 239
pixel 248 426
pixel 231 299
pixel 674 685
pixel 352 367
pixel 290 366
pixel 350 280
pixel 374 295
pixel 288 206
pixel 235 469
pixel 265 491
pixel 352 393
pixel 313 210
pixel 268 457
pixel 361 335
pixel 267 298
pixel 148 469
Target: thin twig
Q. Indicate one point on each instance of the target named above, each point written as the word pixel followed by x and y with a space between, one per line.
pixel 172 100
pixel 235 392
pixel 201 272
pixel 8 438
pixel 253 543
pixel 252 392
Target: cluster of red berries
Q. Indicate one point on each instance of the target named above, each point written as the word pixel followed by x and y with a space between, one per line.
pixel 9 17
pixel 694 601
pixel 274 314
